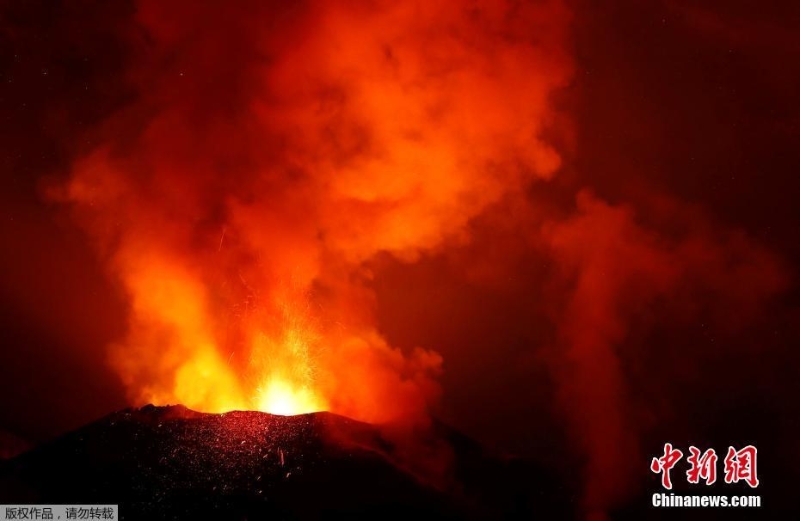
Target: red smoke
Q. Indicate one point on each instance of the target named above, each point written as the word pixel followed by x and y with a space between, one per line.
pixel 270 153
pixel 614 271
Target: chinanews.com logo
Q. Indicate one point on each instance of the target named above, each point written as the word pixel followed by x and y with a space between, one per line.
pixel 738 466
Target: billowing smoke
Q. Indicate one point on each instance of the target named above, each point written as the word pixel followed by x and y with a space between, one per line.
pixel 272 150
pixel 615 278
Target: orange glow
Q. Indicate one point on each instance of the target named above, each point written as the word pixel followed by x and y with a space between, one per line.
pixel 270 156
pixel 280 397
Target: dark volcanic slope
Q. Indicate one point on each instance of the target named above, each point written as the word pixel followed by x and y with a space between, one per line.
pixel 173 463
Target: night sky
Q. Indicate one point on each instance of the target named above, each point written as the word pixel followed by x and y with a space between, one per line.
pixel 644 292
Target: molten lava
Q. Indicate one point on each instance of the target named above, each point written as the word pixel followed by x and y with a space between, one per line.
pixel 279 397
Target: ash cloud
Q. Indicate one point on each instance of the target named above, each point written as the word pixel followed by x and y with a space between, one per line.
pixel 271 152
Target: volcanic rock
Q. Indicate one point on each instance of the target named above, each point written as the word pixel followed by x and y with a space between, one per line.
pixel 161 463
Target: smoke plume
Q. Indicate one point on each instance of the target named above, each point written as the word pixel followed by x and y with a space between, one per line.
pixel 270 152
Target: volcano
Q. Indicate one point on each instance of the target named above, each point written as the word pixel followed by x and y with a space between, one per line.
pixel 174 463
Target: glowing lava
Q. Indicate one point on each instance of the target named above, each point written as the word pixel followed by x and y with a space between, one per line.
pixel 279 397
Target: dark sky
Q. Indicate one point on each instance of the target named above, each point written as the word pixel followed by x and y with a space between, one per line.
pixel 668 289
pixel 59 69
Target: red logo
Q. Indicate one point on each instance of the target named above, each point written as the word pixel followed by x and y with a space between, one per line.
pixel 739 465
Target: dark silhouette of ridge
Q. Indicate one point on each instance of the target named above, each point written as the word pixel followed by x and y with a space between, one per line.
pixel 162 463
